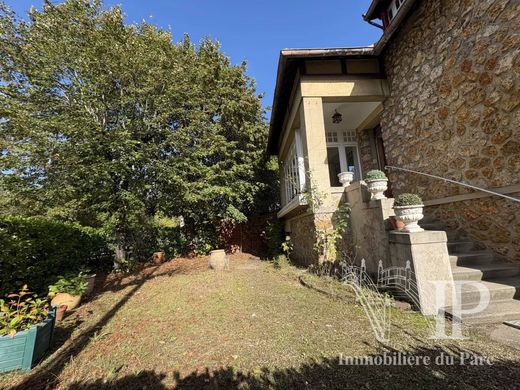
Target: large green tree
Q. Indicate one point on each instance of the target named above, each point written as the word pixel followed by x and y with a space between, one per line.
pixel 111 124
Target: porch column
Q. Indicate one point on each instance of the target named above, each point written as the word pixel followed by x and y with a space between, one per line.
pixel 315 149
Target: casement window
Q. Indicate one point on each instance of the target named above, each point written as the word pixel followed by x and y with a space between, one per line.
pixel 342 155
pixel 293 171
pixel 394 8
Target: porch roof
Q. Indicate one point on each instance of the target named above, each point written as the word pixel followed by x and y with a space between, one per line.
pixel 289 63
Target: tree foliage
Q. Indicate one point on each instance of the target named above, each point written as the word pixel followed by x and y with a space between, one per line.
pixel 111 124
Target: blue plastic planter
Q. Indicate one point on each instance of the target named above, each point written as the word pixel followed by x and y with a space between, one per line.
pixel 26 348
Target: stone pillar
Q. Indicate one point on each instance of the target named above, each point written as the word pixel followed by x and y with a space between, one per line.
pixel 428 255
pixel 369 224
pixel 315 149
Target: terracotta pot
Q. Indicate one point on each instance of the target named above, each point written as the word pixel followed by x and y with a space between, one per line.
pixel 159 257
pixel 60 312
pixel 91 282
pixel 72 301
pixel 218 260
pixel 397 224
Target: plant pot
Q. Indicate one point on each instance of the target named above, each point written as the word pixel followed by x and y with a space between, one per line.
pixel 218 260
pixel 396 223
pixel 410 215
pixel 345 178
pixel 60 312
pixel 158 258
pixel 377 187
pixel 25 348
pixel 72 301
pixel 91 282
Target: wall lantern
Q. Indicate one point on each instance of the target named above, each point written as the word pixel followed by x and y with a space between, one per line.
pixel 337 117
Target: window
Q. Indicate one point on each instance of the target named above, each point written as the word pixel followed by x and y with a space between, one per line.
pixel 342 155
pixel 293 171
pixel 290 171
pixel 394 8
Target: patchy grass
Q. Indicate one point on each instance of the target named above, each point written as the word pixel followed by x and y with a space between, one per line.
pixel 181 325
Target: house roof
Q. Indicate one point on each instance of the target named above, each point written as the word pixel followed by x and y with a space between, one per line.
pixel 374 11
pixel 289 63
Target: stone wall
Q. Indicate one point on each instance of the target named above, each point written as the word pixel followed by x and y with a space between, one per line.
pixel 303 237
pixel 366 145
pixel 453 70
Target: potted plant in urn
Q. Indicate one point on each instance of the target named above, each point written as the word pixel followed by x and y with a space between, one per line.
pixel 68 291
pixel 26 330
pixel 409 209
pixel 377 183
pixel 345 178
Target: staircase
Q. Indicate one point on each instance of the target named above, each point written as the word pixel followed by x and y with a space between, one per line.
pixel 471 261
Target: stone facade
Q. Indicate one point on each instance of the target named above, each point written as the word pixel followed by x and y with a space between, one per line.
pixel 454 111
pixel 303 237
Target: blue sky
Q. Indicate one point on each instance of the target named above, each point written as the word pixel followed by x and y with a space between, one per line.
pixel 253 30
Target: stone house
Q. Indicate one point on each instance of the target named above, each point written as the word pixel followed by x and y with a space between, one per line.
pixel 438 94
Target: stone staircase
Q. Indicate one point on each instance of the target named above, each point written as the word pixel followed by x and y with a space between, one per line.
pixel 471 261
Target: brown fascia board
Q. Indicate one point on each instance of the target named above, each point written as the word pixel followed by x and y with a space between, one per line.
pixel 373 11
pixel 284 81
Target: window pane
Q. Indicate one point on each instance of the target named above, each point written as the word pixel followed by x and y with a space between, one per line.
pixel 352 161
pixel 334 166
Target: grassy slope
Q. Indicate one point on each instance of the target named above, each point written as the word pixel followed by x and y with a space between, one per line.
pixel 254 326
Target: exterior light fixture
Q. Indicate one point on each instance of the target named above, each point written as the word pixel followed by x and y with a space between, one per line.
pixel 337 117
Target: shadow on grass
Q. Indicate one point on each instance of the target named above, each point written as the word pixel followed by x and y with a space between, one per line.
pixel 329 374
pixel 46 375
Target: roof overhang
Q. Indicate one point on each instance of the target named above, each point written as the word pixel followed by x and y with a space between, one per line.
pixel 374 11
pixel 289 62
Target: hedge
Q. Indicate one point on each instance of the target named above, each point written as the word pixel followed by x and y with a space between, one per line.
pixel 35 250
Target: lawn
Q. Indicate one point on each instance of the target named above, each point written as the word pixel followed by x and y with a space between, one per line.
pixel 180 325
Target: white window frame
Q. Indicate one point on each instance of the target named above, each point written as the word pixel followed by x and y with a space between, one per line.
pixel 394 8
pixel 293 170
pixel 340 143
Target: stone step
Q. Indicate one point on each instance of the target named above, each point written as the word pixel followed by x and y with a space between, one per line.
pixel 494 270
pixel 434 225
pixel 496 312
pixel 428 219
pixel 499 290
pixel 462 246
pixel 454 235
pixel 471 258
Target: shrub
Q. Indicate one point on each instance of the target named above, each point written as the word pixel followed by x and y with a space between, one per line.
pixel 408 200
pixel 21 311
pixel 34 250
pixel 375 174
pixel 274 235
pixel 72 284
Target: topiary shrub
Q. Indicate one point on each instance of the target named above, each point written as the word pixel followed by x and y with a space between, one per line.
pixel 408 200
pixel 375 174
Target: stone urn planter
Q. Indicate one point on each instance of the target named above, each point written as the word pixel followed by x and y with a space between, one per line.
pixel 21 351
pixel 218 260
pixel 345 178
pixel 71 301
pixel 408 208
pixel 377 183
